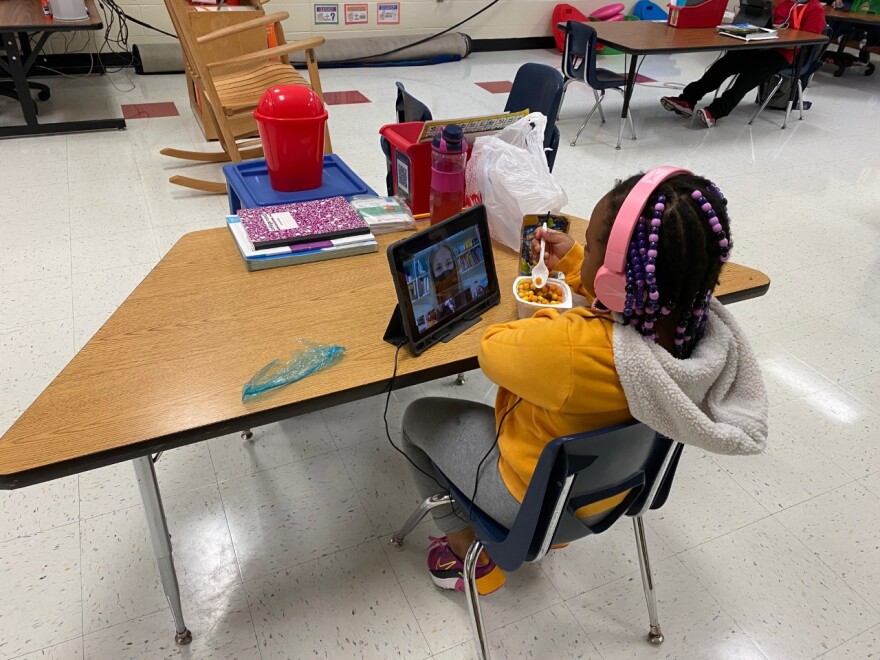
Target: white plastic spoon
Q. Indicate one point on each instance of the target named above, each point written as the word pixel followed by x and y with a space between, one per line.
pixel 540 273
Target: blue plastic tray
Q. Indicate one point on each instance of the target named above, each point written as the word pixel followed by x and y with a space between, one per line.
pixel 249 187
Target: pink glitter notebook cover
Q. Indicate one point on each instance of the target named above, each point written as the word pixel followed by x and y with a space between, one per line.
pixel 302 222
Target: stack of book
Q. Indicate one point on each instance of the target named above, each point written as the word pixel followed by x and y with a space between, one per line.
pixel 289 234
pixel 747 32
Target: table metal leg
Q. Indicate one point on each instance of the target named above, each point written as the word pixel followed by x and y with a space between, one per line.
pixel 158 526
pixel 15 63
pixel 17 68
pixel 627 95
pixel 798 65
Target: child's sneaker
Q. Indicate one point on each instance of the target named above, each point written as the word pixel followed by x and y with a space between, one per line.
pixel 705 116
pixel 447 570
pixel 677 105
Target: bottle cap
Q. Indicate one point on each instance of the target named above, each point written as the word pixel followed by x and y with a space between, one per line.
pixel 450 139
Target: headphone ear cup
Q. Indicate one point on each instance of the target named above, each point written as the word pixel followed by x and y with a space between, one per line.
pixel 610 289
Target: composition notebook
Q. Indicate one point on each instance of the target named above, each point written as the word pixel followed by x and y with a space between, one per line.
pixel 302 222
pixel 302 253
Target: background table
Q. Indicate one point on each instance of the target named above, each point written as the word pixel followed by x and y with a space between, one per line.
pixel 642 38
pixel 24 17
pixel 840 20
pixel 167 369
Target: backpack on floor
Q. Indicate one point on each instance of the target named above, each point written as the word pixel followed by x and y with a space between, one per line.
pixel 780 98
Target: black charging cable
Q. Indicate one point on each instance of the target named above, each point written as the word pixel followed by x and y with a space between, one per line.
pixel 388 430
pixel 424 40
pixel 354 60
pixel 486 455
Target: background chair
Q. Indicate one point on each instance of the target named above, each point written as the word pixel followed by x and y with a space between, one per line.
pixel 579 64
pixel 628 464
pixel 812 62
pixel 409 108
pixel 232 87
pixel 7 87
pixel 756 12
pixel 539 88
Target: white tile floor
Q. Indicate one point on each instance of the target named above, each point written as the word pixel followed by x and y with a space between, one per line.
pixel 281 545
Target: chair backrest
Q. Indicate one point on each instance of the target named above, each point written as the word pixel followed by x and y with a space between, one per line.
pixel 628 460
pixel 409 108
pixel 579 55
pixel 538 88
pixel 820 50
pixel 815 52
pixel 756 12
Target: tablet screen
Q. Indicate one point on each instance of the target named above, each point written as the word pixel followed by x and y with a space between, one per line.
pixel 448 273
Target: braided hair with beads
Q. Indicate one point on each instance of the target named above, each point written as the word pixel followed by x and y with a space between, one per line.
pixel 675 256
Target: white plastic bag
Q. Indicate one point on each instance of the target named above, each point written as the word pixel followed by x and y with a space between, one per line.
pixel 508 172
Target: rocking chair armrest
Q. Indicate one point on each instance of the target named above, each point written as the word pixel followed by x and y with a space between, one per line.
pixel 268 19
pixel 269 53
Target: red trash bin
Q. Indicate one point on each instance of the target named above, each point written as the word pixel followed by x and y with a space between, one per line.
pixel 291 120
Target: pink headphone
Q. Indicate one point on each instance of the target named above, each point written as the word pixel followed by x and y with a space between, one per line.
pixel 610 282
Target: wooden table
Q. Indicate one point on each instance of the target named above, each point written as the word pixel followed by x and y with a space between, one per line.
pixel 18 19
pixel 840 20
pixel 167 369
pixel 643 38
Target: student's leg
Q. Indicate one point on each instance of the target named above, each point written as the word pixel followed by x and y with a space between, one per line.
pixel 455 435
pixel 758 66
pixel 728 65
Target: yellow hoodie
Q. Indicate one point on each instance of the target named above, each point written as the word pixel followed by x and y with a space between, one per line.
pixel 562 367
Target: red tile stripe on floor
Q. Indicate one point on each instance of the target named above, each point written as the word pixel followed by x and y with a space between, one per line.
pixel 149 110
pixel 345 98
pixel 496 86
pixel 639 78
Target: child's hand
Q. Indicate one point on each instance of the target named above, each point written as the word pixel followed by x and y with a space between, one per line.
pixel 556 245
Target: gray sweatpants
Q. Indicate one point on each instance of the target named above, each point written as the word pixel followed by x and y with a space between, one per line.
pixel 455 434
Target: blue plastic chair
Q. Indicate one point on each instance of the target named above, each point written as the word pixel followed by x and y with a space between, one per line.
pixel 539 88
pixel 572 472
pixel 579 64
pixel 756 12
pixel 409 108
pixel 809 67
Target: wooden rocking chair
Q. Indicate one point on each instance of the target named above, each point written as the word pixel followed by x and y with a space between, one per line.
pixel 231 88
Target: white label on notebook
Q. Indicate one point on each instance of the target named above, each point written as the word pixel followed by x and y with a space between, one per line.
pixel 279 221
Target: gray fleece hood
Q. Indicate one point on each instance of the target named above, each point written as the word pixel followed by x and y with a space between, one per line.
pixel 715 399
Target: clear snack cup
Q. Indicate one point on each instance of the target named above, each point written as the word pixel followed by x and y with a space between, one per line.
pixel 526 309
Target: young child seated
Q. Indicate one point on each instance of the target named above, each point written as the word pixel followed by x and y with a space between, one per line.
pixel 670 356
pixel 751 67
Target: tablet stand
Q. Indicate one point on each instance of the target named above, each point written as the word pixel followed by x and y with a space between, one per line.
pixel 396 335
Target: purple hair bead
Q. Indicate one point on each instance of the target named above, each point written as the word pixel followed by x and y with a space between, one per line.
pixel 696 194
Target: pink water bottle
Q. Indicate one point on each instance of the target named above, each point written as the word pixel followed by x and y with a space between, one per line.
pixel 448 160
